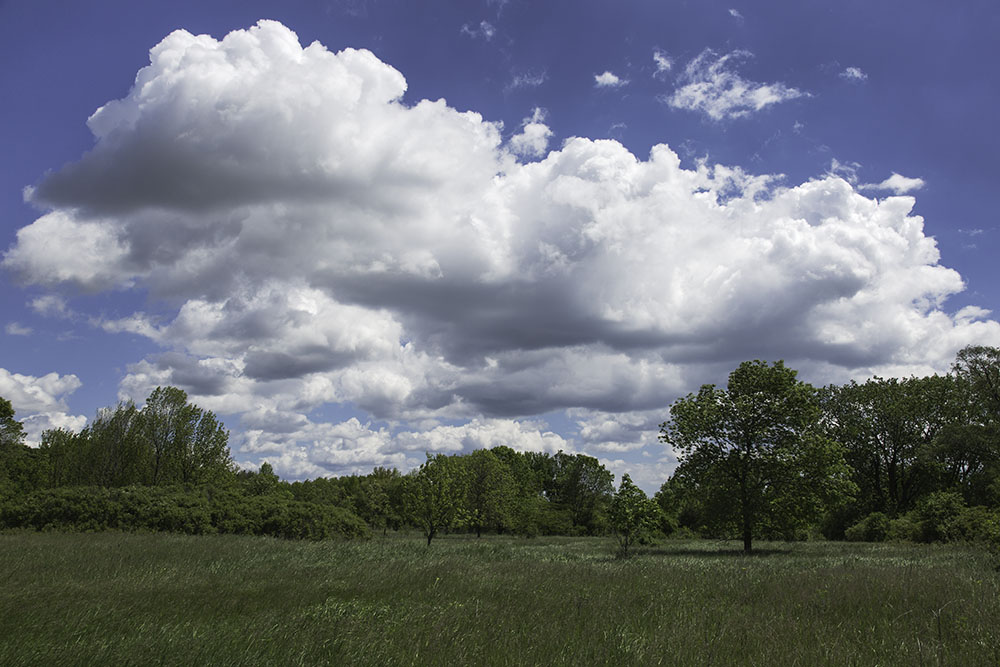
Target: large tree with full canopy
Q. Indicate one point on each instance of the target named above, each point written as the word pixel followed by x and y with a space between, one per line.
pixel 754 450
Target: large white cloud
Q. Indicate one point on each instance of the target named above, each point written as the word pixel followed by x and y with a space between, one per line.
pixel 328 244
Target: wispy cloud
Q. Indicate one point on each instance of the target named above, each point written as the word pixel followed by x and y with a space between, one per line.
pixel 713 87
pixel 17 329
pixel 51 305
pixel 527 80
pixel 485 30
pixel 663 62
pixel 854 75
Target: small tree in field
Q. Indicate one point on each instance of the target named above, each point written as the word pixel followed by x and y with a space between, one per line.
pixel 754 451
pixel 432 495
pixel 632 515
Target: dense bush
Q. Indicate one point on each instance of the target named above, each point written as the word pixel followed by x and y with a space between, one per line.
pixel 873 528
pixel 943 517
pixel 176 509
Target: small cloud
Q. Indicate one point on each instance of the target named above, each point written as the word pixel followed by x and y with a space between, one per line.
pixel 485 30
pixel 712 86
pixel 972 232
pixel 854 75
pixel 845 170
pixel 663 62
pixel 526 80
pixel 609 80
pixel 897 183
pixel 16 329
pixel 735 13
pixel 51 305
pixel 533 140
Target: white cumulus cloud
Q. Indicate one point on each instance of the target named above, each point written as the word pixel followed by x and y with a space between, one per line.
pixel 39 402
pixel 608 79
pixel 311 241
pixel 533 139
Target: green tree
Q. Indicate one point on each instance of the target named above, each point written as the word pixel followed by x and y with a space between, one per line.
pixel 11 430
pixel 527 501
pixel 186 444
pixel 263 482
pixel 21 467
pixel 378 489
pixel 887 427
pixel 489 491
pixel 632 515
pixel 62 460
pixel 432 495
pixel 581 485
pixel 112 450
pixel 980 367
pixel 755 450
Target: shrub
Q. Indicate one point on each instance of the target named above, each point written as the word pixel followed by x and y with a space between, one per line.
pixel 192 511
pixel 904 528
pixel 873 528
pixel 943 517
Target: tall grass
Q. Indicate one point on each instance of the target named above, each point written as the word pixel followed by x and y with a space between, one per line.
pixel 169 599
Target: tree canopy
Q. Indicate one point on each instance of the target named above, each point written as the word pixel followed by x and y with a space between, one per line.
pixel 754 451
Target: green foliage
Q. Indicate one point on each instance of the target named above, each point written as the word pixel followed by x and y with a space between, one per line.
pixel 178 509
pixel 11 430
pixel 753 452
pixel 20 466
pixel 583 486
pixel 632 515
pixel 433 494
pixel 944 517
pixel 873 528
pixel 184 443
pixel 889 429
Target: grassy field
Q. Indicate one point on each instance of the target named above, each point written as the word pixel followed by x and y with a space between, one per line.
pixel 115 599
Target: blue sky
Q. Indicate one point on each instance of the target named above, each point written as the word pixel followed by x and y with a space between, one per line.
pixel 459 233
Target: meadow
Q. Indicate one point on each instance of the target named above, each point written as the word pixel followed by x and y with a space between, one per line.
pixel 153 598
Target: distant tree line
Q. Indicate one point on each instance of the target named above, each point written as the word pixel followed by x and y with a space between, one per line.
pixel 766 457
pixel 167 466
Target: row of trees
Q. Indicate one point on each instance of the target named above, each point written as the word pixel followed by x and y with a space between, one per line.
pixel 766 456
pixel 770 455
pixel 498 490
pixel 168 441
pixel 172 444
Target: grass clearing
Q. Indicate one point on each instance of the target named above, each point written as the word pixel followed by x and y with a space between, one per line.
pixel 119 598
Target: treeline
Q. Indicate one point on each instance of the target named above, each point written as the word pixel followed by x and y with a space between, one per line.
pixel 766 457
pixel 911 459
pixel 167 466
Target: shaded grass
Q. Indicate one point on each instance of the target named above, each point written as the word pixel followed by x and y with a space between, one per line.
pixel 169 599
